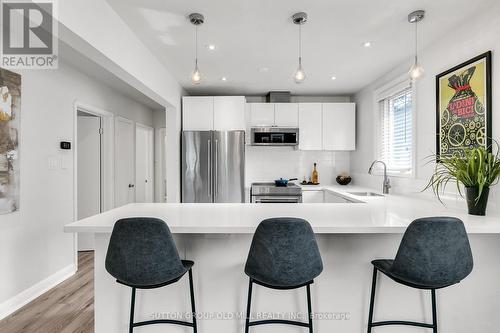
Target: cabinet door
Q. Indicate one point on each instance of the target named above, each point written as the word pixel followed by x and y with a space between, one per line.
pixel 339 126
pixel 197 113
pixel 229 113
pixel 312 197
pixel 261 114
pixel 286 114
pixel 310 129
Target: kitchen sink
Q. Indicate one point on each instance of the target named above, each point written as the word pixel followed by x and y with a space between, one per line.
pixel 366 194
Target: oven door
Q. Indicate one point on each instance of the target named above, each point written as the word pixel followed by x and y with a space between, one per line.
pixel 277 199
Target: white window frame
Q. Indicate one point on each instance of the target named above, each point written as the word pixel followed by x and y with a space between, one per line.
pixel 385 91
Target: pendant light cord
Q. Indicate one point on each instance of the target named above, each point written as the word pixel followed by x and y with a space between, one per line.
pixel 196 46
pixel 300 44
pixel 416 42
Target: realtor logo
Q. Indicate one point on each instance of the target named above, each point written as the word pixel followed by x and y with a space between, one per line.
pixel 29 34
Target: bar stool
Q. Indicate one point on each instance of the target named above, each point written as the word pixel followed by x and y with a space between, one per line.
pixel 283 255
pixel 434 254
pixel 142 255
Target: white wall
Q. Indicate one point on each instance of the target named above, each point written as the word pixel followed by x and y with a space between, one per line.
pixel 478 35
pixel 33 245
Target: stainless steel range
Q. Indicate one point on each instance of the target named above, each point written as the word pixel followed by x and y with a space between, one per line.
pixel 270 193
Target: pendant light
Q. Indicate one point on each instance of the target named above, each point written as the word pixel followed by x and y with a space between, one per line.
pixel 299 19
pixel 416 71
pixel 196 19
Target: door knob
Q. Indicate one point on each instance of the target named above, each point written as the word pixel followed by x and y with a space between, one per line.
pixel 131 185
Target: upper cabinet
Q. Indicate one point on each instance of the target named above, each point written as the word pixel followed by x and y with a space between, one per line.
pixel 197 113
pixel 206 113
pixel 286 114
pixel 274 114
pixel 229 113
pixel 339 126
pixel 310 129
pixel 327 126
pixel 261 114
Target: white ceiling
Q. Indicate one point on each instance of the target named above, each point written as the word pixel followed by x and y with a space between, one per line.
pixel 253 34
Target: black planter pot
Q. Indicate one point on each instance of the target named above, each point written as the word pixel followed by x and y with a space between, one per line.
pixel 477 207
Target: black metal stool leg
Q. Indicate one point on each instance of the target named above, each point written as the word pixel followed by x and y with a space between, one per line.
pixel 193 308
pixel 132 308
pixel 372 300
pixel 309 308
pixel 249 301
pixel 434 312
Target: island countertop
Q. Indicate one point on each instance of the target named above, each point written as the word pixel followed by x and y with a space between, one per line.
pixel 388 214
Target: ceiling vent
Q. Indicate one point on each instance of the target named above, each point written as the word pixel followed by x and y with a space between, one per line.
pixel 278 97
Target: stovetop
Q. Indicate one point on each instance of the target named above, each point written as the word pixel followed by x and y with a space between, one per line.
pixel 269 188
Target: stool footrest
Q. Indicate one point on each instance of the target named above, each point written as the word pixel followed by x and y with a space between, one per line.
pixel 400 322
pixel 278 321
pixel 163 321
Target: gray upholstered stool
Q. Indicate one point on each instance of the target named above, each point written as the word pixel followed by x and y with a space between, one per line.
pixel 434 253
pixel 142 255
pixel 283 255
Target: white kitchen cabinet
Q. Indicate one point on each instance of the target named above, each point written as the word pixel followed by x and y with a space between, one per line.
pixel 229 113
pixel 206 113
pixel 286 114
pixel 197 113
pixel 310 128
pixel 339 126
pixel 315 196
pixel 330 197
pixel 261 114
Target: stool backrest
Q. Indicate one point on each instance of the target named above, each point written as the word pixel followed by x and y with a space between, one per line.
pixel 284 252
pixel 142 252
pixel 434 250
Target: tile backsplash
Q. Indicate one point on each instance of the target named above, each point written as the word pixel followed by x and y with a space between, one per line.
pixel 269 163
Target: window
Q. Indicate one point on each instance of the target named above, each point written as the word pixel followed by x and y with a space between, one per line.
pixel 395 145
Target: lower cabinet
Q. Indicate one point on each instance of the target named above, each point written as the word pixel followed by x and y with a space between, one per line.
pixel 312 196
pixel 330 197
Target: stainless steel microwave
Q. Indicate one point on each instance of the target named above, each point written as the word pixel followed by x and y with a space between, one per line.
pixel 274 136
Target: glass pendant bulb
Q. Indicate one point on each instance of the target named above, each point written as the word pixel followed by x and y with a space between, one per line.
pixel 300 74
pixel 416 71
pixel 196 76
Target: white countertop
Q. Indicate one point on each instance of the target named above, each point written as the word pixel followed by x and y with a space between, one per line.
pixel 388 214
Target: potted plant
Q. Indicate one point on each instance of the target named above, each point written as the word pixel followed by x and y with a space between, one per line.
pixel 477 171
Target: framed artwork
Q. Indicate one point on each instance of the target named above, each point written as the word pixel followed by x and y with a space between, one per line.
pixel 10 108
pixel 463 107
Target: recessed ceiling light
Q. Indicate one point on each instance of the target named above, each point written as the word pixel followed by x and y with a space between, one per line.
pixel 367 44
pixel 224 78
pixel 211 47
pixel 333 78
pixel 264 69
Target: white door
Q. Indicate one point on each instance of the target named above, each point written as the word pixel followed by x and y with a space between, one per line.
pixel 144 189
pixel 124 162
pixel 286 114
pixel 310 128
pixel 88 150
pixel 197 113
pixel 339 126
pixel 229 113
pixel 261 114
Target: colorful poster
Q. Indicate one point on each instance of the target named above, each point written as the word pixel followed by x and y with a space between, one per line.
pixel 10 107
pixel 464 107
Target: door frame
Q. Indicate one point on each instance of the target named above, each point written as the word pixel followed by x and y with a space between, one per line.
pixel 152 158
pixel 107 160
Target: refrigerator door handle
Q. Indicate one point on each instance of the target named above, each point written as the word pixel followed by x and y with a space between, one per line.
pixel 216 166
pixel 209 167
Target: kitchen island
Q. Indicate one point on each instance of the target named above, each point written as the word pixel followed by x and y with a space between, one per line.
pixel 217 237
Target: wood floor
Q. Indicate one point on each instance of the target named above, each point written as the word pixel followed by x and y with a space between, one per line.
pixel 67 308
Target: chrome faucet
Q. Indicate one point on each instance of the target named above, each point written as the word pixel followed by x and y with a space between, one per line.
pixel 387 183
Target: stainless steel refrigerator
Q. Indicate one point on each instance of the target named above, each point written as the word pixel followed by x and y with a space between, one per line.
pixel 213 166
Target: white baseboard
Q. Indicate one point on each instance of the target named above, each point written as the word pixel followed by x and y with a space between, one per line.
pixel 26 296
